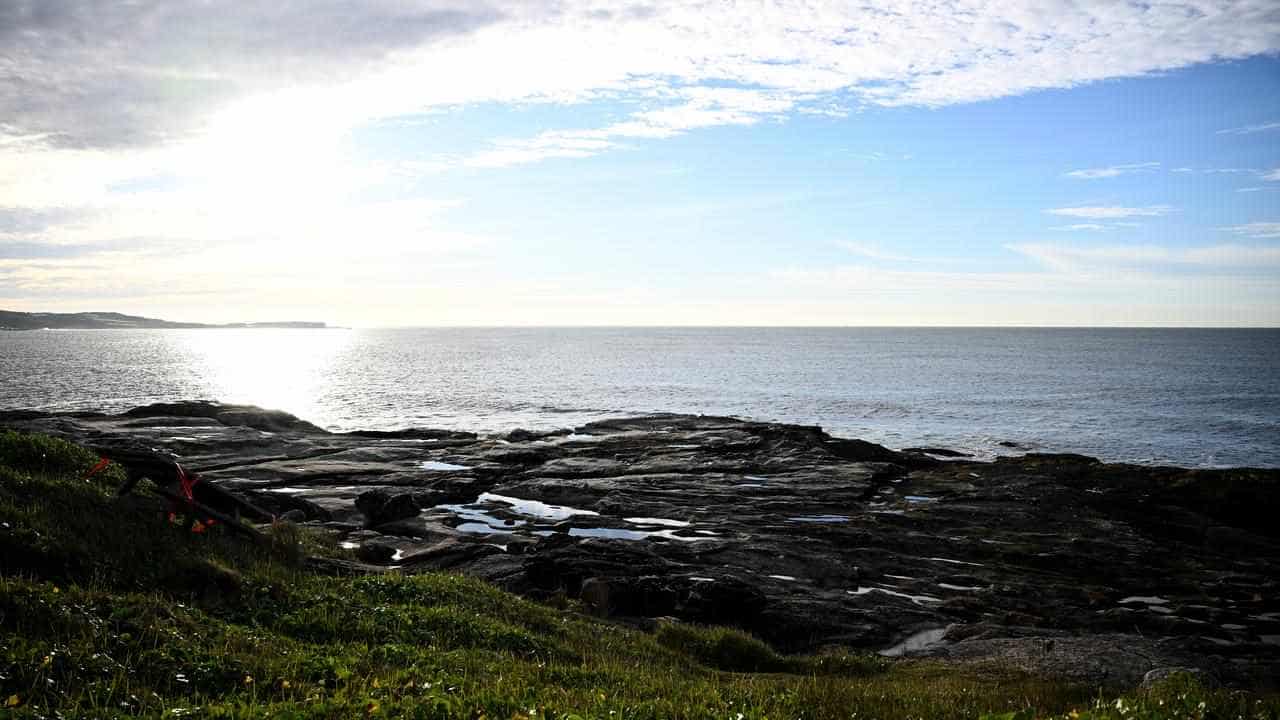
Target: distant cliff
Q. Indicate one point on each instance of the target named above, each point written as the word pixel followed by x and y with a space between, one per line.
pixel 10 320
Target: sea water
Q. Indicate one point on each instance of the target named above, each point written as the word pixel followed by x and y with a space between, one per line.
pixel 1195 397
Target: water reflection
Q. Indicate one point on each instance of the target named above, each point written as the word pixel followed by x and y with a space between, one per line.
pixel 286 369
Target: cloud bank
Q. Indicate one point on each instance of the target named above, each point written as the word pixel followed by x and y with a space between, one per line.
pixel 101 74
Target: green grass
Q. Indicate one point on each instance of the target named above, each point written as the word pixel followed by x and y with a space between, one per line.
pixel 107 610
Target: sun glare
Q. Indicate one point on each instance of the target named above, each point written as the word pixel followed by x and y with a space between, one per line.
pixel 279 369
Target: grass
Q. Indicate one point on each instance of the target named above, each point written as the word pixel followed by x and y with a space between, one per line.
pixel 107 610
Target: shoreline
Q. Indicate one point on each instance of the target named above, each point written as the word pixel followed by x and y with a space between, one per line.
pixel 939 449
pixel 782 530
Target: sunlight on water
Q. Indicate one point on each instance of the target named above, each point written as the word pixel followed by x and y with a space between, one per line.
pixel 285 369
pixel 1183 397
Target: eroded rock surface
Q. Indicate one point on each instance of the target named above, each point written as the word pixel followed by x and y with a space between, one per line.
pixel 1056 563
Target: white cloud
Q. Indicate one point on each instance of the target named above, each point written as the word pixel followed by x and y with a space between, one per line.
pixel 1273 175
pixel 1112 212
pixel 154 71
pixel 702 107
pixel 1259 230
pixel 1250 129
pixel 1113 171
pixel 1076 258
pixel 1092 227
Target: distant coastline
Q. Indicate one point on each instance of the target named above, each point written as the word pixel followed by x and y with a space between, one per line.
pixel 11 320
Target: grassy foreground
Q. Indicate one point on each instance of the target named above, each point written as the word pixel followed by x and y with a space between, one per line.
pixel 106 610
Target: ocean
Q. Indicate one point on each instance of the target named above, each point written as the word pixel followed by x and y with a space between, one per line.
pixel 1192 397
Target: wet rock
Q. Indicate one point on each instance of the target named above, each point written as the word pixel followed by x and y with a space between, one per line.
pixel 435 434
pixel 938 452
pixel 245 415
pixel 524 436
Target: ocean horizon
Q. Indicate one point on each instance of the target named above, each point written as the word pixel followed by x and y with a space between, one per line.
pixel 1197 397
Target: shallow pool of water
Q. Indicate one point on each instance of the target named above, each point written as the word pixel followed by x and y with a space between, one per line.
pixel 438 466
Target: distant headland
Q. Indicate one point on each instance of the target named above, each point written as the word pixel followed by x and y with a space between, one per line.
pixel 11 320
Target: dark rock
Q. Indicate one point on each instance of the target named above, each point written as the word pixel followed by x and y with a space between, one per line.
pixel 449 554
pixel 1163 674
pixel 862 451
pixel 415 434
pixel 375 552
pixel 287 506
pixel 382 506
pixel 521 435
pixel 246 415
pixel 1059 564
pixel 938 452
pixel 337 567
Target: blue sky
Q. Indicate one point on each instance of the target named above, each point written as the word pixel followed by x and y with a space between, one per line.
pixel 777 165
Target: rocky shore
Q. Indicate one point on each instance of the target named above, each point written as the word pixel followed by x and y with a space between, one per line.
pixel 1059 564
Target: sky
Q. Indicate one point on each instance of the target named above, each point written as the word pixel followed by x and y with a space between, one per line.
pixel 762 162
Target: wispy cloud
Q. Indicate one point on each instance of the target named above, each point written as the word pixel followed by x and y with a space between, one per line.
pixel 1257 230
pixel 1272 175
pixel 1250 129
pixel 698 108
pixel 1113 171
pixel 1067 257
pixel 1111 212
pixel 1091 227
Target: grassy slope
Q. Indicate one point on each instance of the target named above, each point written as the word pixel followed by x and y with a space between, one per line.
pixel 107 610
